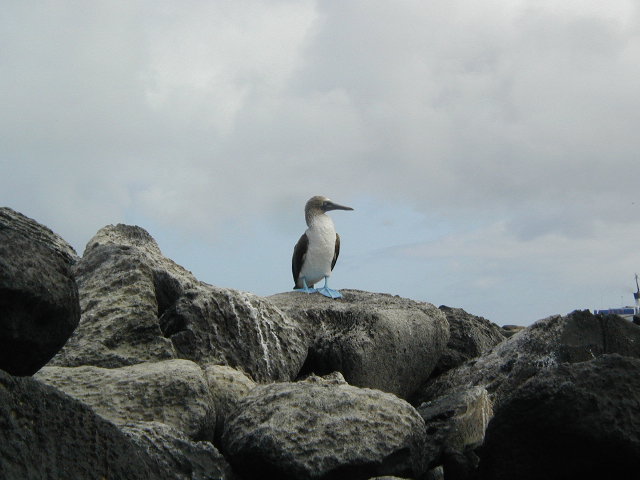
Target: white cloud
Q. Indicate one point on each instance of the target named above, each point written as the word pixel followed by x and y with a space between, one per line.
pixel 213 58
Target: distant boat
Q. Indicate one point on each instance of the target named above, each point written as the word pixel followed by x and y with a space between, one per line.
pixel 628 312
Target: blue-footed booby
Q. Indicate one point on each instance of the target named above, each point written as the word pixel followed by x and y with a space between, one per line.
pixel 315 254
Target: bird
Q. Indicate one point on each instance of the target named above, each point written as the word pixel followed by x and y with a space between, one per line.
pixel 316 253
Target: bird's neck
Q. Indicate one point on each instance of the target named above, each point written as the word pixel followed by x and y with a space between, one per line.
pixel 320 221
pixel 311 216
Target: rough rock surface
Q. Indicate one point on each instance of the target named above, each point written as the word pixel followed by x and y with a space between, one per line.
pixel 375 340
pixel 139 306
pixel 38 295
pixel 177 455
pixel 174 392
pixel 242 330
pixel 576 337
pixel 324 428
pixel 119 323
pixel 227 386
pixel 578 420
pixel 470 336
pixel 455 423
pixel 44 434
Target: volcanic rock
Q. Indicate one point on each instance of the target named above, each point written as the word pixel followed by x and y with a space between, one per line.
pixel 470 336
pixel 227 386
pixel 375 340
pixel 139 306
pixel 455 423
pixel 176 454
pixel 38 295
pixel 324 428
pixel 174 392
pixel 577 420
pixel 45 434
pixel 576 337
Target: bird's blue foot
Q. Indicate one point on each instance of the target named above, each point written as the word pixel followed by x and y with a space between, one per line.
pixel 329 292
pixel 305 288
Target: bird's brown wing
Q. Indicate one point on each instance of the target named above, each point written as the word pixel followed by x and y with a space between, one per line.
pixel 336 252
pixel 299 252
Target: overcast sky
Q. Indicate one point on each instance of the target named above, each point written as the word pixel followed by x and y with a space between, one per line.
pixel 490 149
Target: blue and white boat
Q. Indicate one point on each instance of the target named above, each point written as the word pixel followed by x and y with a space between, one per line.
pixel 627 312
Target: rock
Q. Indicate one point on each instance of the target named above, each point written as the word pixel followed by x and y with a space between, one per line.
pixel 44 434
pixel 386 477
pixel 460 465
pixel 174 392
pixel 470 336
pixel 227 386
pixel 455 423
pixel 177 455
pixel 241 330
pixel 375 340
pixel 576 337
pixel 323 428
pixel 38 294
pixel 577 420
pixel 435 473
pixel 139 306
pixel 119 324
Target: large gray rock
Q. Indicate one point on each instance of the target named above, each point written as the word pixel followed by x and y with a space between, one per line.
pixel 470 336
pixel 177 455
pixel 577 420
pixel 174 392
pixel 324 428
pixel 375 340
pixel 139 306
pixel 39 306
pixel 455 423
pixel 576 337
pixel 119 324
pixel 238 329
pixel 44 434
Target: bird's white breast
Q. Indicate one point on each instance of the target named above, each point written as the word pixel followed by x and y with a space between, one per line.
pixel 320 251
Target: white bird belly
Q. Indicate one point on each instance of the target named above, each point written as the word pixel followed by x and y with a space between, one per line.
pixel 320 250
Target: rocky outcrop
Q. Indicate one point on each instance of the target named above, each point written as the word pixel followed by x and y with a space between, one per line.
pixel 46 434
pixel 38 295
pixel 375 340
pixel 174 392
pixel 119 324
pixel 577 337
pixel 183 380
pixel 324 428
pixel 577 420
pixel 470 336
pixel 139 306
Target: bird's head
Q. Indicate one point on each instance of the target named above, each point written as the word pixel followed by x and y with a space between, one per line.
pixel 319 204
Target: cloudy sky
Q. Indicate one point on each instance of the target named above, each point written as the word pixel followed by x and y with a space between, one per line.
pixel 490 149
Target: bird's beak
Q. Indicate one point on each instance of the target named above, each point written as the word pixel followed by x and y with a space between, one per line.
pixel 334 206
